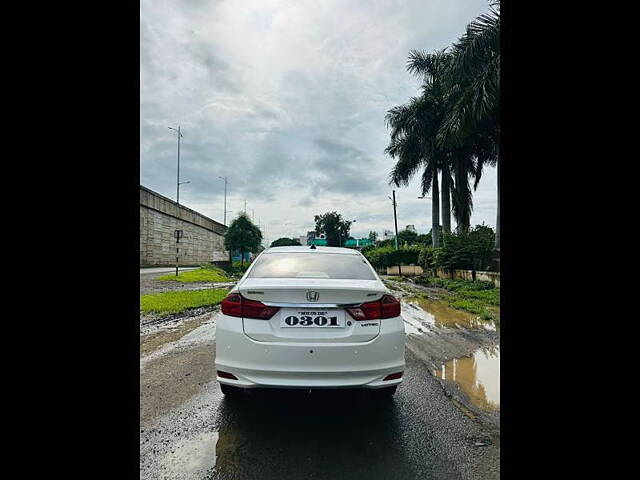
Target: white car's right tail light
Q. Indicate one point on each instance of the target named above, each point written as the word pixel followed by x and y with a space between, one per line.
pixel 387 307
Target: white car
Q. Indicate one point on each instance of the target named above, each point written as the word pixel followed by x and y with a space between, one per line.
pixel 310 317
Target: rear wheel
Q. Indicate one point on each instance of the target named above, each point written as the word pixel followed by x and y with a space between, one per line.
pixel 386 392
pixel 230 391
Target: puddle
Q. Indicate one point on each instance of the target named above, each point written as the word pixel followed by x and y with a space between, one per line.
pixel 192 458
pixel 478 376
pixel 438 313
pixel 416 320
pixel 199 456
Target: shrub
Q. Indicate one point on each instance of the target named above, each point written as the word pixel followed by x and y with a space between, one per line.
pixel 367 249
pixel 236 268
pixel 426 258
pixel 384 257
pixel 471 250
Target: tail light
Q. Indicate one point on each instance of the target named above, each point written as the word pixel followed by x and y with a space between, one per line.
pixel 387 307
pixel 393 376
pixel 232 305
pixel 235 305
pixel 228 375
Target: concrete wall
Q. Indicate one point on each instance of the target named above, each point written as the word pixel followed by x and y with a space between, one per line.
pixel 493 277
pixel 160 216
pixel 407 270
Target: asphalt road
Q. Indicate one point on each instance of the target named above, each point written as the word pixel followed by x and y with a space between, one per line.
pixel 189 430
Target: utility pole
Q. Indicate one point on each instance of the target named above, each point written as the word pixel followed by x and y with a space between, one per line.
pixel 395 220
pixel 225 199
pixel 178 176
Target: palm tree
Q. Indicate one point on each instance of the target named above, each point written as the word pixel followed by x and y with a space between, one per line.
pixel 473 115
pixel 414 127
pixel 459 159
pixel 431 68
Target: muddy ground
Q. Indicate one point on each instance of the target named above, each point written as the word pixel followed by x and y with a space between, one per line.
pixel 430 429
pixel 435 345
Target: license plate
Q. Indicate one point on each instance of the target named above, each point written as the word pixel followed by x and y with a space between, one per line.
pixel 293 318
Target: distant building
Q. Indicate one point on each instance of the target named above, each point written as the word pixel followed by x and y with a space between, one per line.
pixel 358 243
pixel 311 236
pixel 321 242
pixel 237 257
pixel 303 239
pixel 388 235
pixel 411 228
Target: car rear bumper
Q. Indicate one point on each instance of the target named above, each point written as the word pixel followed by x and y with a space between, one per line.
pixel 307 365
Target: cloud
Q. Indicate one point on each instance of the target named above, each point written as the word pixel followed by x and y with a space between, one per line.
pixel 287 99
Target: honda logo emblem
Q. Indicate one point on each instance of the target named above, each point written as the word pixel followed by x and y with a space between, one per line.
pixel 313 296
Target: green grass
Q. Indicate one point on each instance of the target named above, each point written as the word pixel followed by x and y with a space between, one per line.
pixel 455 285
pixel 490 297
pixel 175 302
pixel 237 265
pixel 472 306
pixel 205 274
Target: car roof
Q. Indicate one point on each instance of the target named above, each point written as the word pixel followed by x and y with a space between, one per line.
pixel 317 250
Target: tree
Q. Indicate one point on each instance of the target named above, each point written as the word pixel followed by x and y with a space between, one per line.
pixel 424 239
pixel 243 235
pixel 407 236
pixel 454 126
pixel 285 242
pixel 427 238
pixel 470 250
pixel 413 130
pixel 386 243
pixel 373 236
pixel 426 259
pixel 457 160
pixel 335 228
pixel 473 116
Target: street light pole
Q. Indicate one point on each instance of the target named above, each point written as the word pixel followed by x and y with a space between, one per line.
pixel 225 199
pixel 178 176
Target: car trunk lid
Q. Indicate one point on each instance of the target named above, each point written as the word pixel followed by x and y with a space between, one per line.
pixel 311 310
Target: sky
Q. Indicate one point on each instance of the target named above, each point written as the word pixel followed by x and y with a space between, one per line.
pixel 287 100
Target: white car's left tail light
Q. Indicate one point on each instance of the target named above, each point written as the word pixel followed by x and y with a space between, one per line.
pixel 235 305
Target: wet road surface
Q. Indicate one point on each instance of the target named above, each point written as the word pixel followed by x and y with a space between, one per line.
pixel 189 430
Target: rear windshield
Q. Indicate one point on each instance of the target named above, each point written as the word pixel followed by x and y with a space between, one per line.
pixel 311 265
